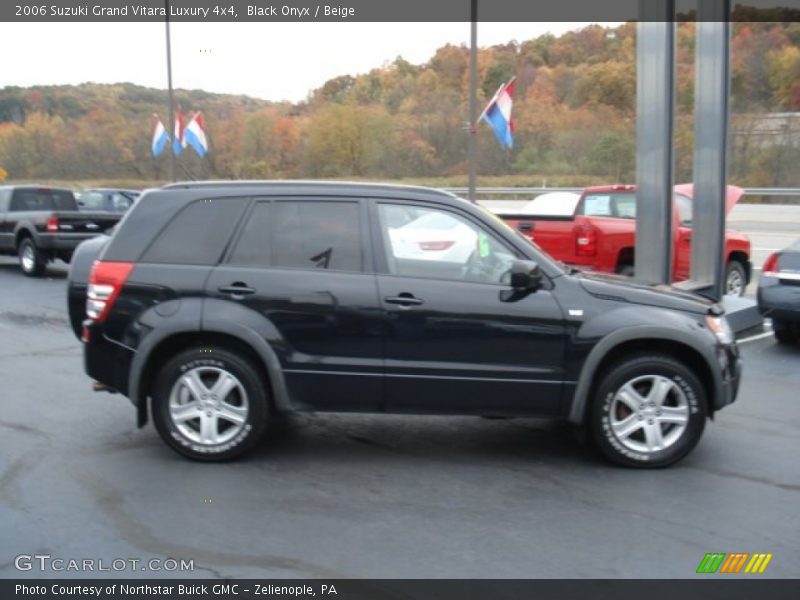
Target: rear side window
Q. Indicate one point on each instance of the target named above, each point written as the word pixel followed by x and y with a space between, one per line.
pixel 316 235
pixel 43 199
pixel 198 234
pixel 92 200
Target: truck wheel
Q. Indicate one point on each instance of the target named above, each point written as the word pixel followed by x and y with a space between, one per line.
pixel 735 279
pixel 784 332
pixel 626 270
pixel 31 260
pixel 209 404
pixel 649 412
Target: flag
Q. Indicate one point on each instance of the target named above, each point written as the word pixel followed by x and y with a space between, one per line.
pixel 195 135
pixel 160 137
pixel 498 114
pixel 178 143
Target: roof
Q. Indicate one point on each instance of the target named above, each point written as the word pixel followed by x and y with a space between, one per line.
pixel 339 186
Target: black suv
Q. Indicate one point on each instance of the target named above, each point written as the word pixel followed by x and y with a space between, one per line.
pixel 215 305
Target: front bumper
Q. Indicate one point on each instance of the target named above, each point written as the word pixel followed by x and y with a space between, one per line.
pixel 731 371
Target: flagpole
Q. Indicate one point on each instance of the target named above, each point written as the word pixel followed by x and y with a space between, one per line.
pixel 472 147
pixel 171 126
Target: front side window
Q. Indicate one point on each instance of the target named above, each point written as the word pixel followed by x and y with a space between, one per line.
pixel 92 200
pixel 316 235
pixel 434 243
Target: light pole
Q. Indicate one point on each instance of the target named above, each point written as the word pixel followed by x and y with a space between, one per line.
pixel 472 146
pixel 171 126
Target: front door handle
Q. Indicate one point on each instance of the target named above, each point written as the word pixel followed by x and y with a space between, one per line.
pixel 237 288
pixel 404 300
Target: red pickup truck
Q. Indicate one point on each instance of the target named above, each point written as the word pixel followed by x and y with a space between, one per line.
pixel 600 234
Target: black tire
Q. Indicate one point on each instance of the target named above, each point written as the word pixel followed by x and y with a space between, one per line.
pixel 784 332
pixel 735 279
pixel 31 260
pixel 686 397
pixel 249 399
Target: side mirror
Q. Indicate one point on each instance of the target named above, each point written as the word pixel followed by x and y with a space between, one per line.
pixel 526 276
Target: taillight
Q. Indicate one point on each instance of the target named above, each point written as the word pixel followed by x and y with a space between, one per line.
pixel 436 246
pixel 52 225
pixel 585 240
pixel 105 282
pixel 770 268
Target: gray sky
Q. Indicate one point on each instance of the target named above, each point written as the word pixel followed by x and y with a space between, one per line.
pixel 274 61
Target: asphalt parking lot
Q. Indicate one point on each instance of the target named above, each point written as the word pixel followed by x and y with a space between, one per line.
pixel 372 495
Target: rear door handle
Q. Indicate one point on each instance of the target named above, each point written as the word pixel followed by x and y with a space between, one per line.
pixel 404 300
pixel 237 288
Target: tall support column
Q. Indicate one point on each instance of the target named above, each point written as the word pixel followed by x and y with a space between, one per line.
pixel 655 65
pixel 171 127
pixel 712 85
pixel 472 145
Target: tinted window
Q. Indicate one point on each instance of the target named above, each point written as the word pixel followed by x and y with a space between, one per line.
pixel 322 235
pixel 92 200
pixel 43 199
pixel 442 245
pixel 198 234
pixel 253 247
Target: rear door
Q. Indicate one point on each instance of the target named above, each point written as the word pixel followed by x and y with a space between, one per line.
pixel 457 339
pixel 305 266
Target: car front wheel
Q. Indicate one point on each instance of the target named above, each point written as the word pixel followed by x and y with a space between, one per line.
pixel 210 404
pixel 649 412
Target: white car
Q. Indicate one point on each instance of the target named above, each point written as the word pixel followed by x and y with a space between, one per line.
pixel 434 236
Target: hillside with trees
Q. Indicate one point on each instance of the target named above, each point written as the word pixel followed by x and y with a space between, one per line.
pixel 574 111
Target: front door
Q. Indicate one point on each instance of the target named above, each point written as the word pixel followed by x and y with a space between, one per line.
pixel 456 339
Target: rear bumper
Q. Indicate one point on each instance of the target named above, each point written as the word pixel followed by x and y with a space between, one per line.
pixel 62 241
pixel 104 360
pixel 778 300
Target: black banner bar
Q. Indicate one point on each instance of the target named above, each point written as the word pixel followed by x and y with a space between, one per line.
pixel 707 587
pixel 368 10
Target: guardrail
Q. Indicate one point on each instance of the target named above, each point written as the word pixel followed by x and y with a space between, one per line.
pixel 529 192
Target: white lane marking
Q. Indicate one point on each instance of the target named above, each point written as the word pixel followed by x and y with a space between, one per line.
pixel 766 249
pixel 753 338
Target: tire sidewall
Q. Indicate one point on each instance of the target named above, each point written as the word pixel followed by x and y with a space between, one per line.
pixel 735 265
pixel 38 264
pixel 222 359
pixel 628 370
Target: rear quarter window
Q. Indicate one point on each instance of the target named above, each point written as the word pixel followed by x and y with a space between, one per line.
pixel 198 234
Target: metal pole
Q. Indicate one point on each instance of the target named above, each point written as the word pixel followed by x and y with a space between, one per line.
pixel 472 147
pixel 171 126
pixel 712 83
pixel 655 61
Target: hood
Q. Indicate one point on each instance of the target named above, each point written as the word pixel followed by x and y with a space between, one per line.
pixel 732 194
pixel 624 289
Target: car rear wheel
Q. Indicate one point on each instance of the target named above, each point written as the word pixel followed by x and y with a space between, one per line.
pixel 31 260
pixel 735 279
pixel 210 404
pixel 649 412
pixel 784 331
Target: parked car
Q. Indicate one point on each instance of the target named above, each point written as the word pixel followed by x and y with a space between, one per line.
pixel 296 298
pixel 40 224
pixel 111 199
pixel 601 234
pixel 779 293
pixel 552 204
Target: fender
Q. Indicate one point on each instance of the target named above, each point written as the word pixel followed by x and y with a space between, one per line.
pixel 26 227
pixel 239 323
pixel 580 400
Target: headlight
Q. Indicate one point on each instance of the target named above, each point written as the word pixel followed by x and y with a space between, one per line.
pixel 720 328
